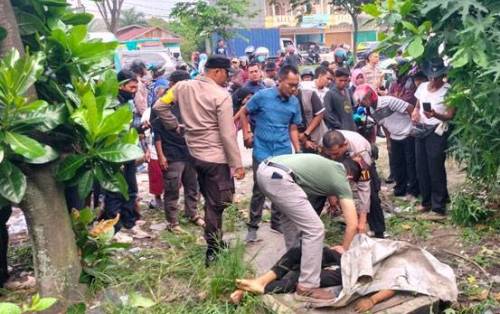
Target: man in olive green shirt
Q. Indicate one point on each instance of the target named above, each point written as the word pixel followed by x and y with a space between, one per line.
pixel 287 181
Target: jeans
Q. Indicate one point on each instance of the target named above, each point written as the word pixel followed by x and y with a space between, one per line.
pixel 430 153
pixel 257 204
pixel 404 171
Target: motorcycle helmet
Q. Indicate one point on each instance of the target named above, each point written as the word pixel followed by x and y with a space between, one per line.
pixel 261 54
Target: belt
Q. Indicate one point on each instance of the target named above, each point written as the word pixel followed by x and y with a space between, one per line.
pixel 282 167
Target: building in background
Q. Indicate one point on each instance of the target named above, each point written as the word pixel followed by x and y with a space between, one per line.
pixel 322 25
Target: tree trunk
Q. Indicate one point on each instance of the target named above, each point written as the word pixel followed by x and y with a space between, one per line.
pixel 55 255
pixel 208 46
pixel 355 28
pixel 9 22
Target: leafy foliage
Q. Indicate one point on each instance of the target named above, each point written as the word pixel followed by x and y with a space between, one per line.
pixel 76 115
pixel 467 35
pixel 132 17
pixel 95 245
pixel 470 206
pixel 197 21
pixel 37 305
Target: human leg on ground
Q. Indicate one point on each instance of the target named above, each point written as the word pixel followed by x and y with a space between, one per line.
pixel 423 175
pixel 435 149
pixel 190 184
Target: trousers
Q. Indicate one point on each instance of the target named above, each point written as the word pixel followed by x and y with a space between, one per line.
pixel 5 213
pixel 375 217
pixel 115 203
pixel 300 223
pixel 180 173
pixel 257 204
pixel 404 171
pixel 288 266
pixel 430 154
pixel 217 187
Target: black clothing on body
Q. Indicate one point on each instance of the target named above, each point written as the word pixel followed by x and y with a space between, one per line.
pixel 338 110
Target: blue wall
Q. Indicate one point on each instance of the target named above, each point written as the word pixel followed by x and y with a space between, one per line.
pixel 257 37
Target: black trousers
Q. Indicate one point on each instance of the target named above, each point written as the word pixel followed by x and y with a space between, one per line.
pixel 376 215
pixel 431 172
pixel 404 171
pixel 287 270
pixel 257 204
pixel 217 187
pixel 115 203
pixel 5 213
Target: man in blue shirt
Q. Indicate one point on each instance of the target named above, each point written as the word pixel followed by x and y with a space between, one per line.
pixel 276 114
pixel 254 83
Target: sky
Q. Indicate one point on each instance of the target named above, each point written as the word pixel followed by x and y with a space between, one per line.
pixel 158 8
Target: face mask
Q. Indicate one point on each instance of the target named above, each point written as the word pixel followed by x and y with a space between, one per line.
pixel 125 96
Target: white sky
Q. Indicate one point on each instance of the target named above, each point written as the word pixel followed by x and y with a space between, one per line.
pixel 158 8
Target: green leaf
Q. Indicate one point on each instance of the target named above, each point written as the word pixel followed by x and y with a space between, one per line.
pixel 2 153
pixel 87 215
pixel 371 9
pixel 9 308
pixel 108 85
pixel 85 182
pixel 460 58
pixel 18 74
pixel 132 137
pixel 24 146
pixel 50 154
pixel 12 182
pixel 136 300
pixel 480 58
pixel 69 166
pixel 120 153
pixel 406 8
pixel 116 122
pixel 416 48
pixel 409 26
pixel 114 182
pixel 43 118
pixel 43 304
pixel 29 23
pixel 77 18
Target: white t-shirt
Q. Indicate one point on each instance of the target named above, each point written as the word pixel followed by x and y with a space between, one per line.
pixel 434 98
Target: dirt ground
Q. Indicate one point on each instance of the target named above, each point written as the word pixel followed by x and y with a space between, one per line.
pixel 473 253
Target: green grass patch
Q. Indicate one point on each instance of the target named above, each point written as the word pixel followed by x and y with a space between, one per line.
pixel 398 226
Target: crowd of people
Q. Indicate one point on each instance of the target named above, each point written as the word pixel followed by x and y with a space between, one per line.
pixel 312 135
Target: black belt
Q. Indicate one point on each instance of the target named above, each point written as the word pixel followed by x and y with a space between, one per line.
pixel 282 167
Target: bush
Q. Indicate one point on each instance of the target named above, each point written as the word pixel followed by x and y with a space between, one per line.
pixel 472 205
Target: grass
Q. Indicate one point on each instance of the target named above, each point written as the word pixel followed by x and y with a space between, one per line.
pixel 334 230
pixel 398 226
pixel 176 279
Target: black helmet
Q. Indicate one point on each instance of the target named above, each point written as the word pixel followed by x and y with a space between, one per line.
pixel 307 72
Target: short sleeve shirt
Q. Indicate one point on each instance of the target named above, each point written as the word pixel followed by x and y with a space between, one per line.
pixel 273 116
pixel 436 99
pixel 317 175
pixel 397 121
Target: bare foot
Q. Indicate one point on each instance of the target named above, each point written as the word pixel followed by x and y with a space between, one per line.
pixel 236 296
pixel 250 285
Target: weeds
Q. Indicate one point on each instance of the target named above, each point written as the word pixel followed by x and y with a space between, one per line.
pixel 177 281
pixel 231 218
pixel 472 205
pixel 334 230
pixel 399 226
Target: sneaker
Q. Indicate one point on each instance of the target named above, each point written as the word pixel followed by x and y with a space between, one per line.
pixel 210 257
pixel 251 235
pixel 314 295
pixel 433 216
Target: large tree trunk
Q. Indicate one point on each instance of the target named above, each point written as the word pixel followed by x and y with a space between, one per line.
pixel 55 255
